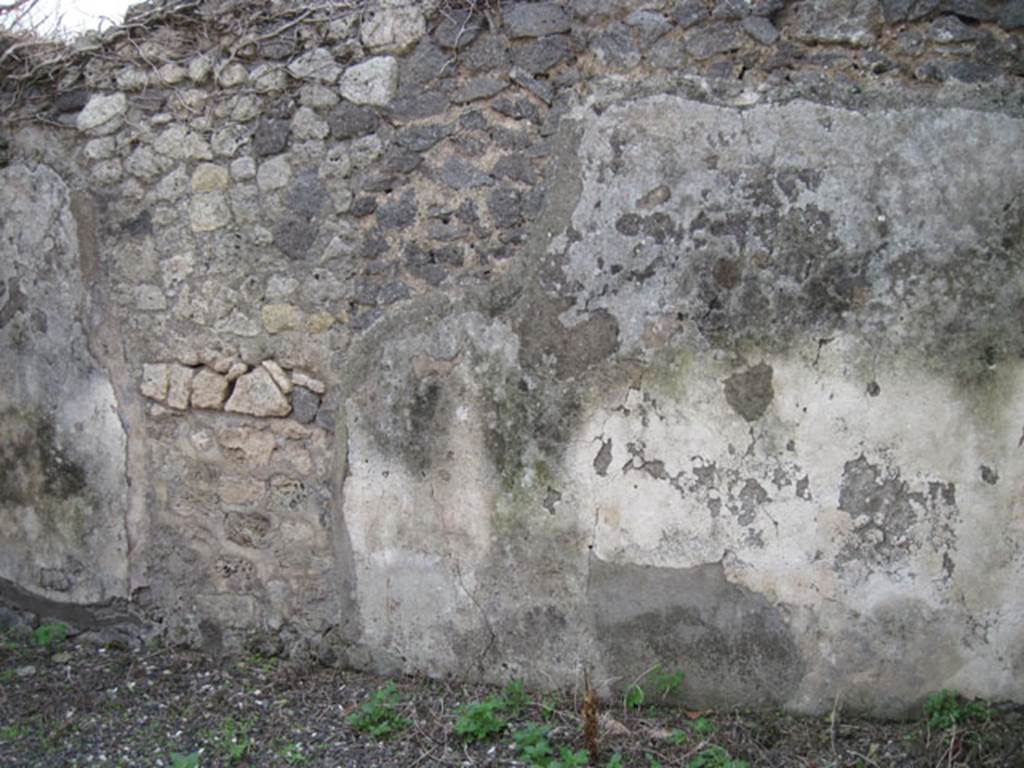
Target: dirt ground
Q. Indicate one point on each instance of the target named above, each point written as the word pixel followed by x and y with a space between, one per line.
pixel 69 704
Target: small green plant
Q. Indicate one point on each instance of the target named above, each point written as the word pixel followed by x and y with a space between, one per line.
pixel 652 761
pixel 261 662
pixel 715 757
pixel 515 696
pixel 379 716
pixel 548 705
pixel 615 761
pixel 656 682
pixel 49 635
pixel 679 737
pixel 532 742
pixel 569 759
pixel 179 760
pixel 666 682
pixel 11 733
pixel 703 727
pixel 536 751
pixel 947 708
pixel 479 720
pixel 292 754
pixel 635 696
pixel 232 740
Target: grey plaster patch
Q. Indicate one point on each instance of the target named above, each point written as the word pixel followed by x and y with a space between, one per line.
pixel 726 638
pixel 750 392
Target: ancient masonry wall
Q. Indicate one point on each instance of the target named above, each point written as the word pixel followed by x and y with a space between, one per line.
pixel 512 339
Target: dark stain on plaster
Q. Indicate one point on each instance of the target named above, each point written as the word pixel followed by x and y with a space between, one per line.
pixel 731 642
pixel 882 508
pixel 14 300
pixel 545 342
pixel 603 458
pixel 988 474
pixel 750 392
pixel 528 427
pixel 34 466
pixel 890 521
pixel 751 497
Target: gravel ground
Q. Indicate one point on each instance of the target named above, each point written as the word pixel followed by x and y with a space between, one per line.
pixel 68 704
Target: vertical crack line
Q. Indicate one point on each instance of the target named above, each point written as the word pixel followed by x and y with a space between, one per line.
pixel 492 638
pixel 450 555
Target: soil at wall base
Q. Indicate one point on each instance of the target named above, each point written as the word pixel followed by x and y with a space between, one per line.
pixel 75 704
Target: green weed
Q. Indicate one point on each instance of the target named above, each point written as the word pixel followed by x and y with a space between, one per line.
pixel 715 757
pixel 569 759
pixel 536 751
pixel 615 761
pixel 635 696
pixel 947 708
pixel 656 681
pixel 703 727
pixel 49 635
pixel 480 720
pixel 379 716
pixel 232 740
pixel 179 760
pixel 292 754
pixel 261 662
pixel 548 705
pixel 12 732
pixel 515 696
pixel 532 742
pixel 666 682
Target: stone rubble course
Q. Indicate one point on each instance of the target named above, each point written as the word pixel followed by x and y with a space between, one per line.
pixel 479 340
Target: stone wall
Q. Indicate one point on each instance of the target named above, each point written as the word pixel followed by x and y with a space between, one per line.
pixel 514 339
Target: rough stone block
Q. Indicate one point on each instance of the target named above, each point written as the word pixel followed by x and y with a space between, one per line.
pixel 257 395
pixel 209 390
pixel 373 82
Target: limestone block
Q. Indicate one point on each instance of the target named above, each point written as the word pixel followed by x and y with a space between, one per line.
pixel 280 317
pixel 277 373
pixel 102 110
pixel 232 75
pixel 236 370
pixel 257 395
pixel 209 389
pixel 318 65
pixel 393 29
pixel 373 82
pixel 209 177
pixel 179 386
pixel 313 385
pixel 274 173
pixel 209 211
pixel 155 380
